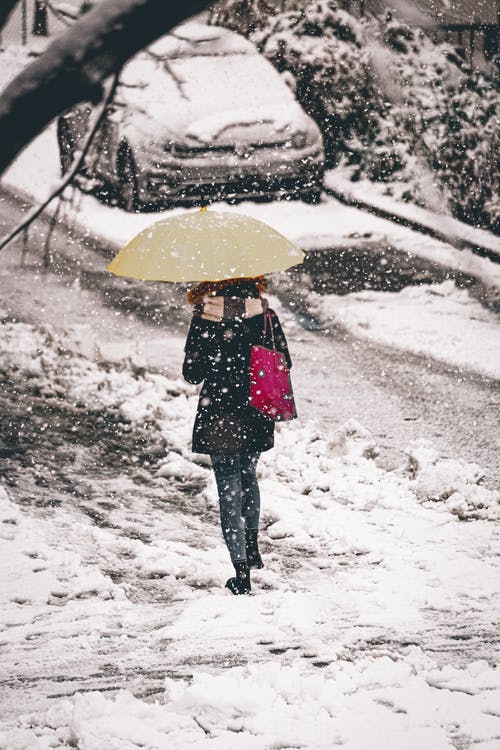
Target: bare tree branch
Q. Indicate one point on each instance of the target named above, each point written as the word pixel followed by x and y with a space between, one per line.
pixel 74 67
pixel 68 178
pixel 6 8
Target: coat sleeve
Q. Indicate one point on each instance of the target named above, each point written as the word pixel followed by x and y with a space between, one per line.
pixel 279 338
pixel 194 368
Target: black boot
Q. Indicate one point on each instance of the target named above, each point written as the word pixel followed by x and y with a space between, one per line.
pixel 240 584
pixel 253 556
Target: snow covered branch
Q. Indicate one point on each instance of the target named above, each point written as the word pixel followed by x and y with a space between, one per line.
pixel 75 65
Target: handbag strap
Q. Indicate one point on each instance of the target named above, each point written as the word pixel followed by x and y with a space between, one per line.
pixel 268 321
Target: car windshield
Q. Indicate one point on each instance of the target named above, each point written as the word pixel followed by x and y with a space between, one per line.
pixel 222 83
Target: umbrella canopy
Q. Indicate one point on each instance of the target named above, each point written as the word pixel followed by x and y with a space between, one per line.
pixel 205 246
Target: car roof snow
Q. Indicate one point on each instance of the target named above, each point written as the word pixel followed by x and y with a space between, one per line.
pixel 195 39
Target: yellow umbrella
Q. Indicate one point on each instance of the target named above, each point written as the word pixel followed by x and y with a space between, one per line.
pixel 205 245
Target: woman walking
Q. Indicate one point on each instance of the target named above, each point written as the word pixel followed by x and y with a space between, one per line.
pixel 228 319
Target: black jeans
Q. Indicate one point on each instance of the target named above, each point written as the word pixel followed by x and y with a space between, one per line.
pixel 239 498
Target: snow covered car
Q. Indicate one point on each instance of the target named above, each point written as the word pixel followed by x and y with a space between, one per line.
pixel 199 114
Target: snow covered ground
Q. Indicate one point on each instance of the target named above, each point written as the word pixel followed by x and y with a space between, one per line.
pixel 363 624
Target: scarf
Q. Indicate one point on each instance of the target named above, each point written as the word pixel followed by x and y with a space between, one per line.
pixel 221 309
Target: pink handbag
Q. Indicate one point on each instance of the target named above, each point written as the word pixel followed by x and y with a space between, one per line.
pixel 270 385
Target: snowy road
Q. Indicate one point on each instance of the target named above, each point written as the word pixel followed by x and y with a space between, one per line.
pixel 375 621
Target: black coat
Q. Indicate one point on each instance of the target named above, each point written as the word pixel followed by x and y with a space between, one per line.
pixel 219 355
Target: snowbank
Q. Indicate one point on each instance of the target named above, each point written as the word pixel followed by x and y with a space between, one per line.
pixel 366 191
pixel 409 702
pixel 35 571
pixel 436 320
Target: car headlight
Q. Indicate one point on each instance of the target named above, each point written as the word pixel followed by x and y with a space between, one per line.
pixel 299 139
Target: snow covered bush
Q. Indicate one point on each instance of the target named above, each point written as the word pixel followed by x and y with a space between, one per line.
pixel 455 483
pixel 321 47
pixel 391 104
pixel 467 157
pixel 439 124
